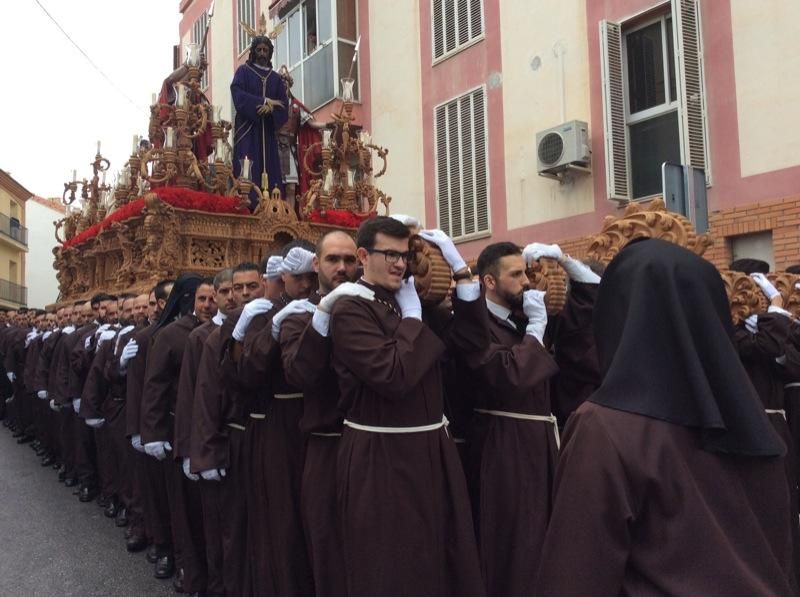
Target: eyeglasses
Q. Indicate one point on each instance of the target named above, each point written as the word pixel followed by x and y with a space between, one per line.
pixel 393 257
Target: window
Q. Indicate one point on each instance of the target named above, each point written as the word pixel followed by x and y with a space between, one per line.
pixel 462 185
pixel 653 100
pixel 247 15
pixel 198 31
pixel 753 246
pixel 316 43
pixel 456 24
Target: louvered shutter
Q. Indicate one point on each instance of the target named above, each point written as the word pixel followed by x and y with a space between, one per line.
pixel 615 128
pixel 455 23
pixel 691 86
pixel 462 192
pixel 198 30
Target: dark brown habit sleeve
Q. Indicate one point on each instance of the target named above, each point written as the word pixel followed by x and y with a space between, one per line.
pixel 392 365
pixel 770 339
pixel 186 390
pixel 156 423
pixel 259 351
pixel 135 382
pixel 209 438
pixel 304 352
pixel 95 390
pixel 45 361
pixel 518 367
pixel 80 359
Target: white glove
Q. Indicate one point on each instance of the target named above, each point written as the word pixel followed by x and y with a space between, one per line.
pixel 298 261
pixel 131 350
pixel 187 470
pixel 10 400
pixel 577 271
pixel 95 423
pixel 274 264
pixel 255 307
pixel 344 289
pixel 447 247
pixel 405 220
pixel 87 343
pixel 54 406
pixel 102 329
pixel 293 308
pixel 157 450
pixel 105 337
pixel 47 334
pixel 765 285
pixel 214 474
pixel 751 323
pixel 30 338
pixel 534 308
pixel 136 443
pixel 797 286
pixel 42 394
pixel 68 330
pixel 11 376
pixel 408 299
pixel 535 251
pixel 76 405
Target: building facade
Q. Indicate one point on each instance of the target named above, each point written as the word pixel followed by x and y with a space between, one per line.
pixel 459 89
pixel 42 281
pixel 13 242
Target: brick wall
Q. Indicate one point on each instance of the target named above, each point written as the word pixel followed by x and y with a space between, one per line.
pixel 781 216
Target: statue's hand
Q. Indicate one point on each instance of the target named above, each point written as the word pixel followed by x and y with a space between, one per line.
pixel 264 110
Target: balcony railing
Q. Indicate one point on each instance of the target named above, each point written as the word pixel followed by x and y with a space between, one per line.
pixel 12 228
pixel 9 291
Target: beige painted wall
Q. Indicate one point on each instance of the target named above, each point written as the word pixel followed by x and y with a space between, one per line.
pixel 532 102
pixel 766 50
pixel 396 99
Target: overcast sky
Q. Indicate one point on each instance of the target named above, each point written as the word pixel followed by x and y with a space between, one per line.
pixel 55 106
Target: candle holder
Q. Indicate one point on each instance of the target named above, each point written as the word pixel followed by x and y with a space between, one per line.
pixel 92 192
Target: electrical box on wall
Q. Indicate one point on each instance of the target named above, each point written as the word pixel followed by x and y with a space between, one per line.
pixel 563 148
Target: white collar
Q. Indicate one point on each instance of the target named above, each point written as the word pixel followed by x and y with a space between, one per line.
pixel 502 313
pixel 219 318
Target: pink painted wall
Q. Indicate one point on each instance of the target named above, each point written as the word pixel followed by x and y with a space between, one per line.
pixel 190 12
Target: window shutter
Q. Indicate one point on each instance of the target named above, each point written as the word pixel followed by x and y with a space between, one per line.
pixel 198 29
pixel 691 86
pixel 438 28
pixel 455 23
pixel 461 171
pixel 616 131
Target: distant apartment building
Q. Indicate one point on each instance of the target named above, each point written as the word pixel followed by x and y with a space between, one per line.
pixel 462 93
pixel 42 282
pixel 13 242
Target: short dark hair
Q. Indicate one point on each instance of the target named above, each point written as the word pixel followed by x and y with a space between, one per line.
pixel 245 266
pixel 750 266
pixel 127 295
pixel 225 275
pixel 160 289
pixel 206 281
pixel 101 297
pixel 490 257
pixel 793 269
pixel 298 242
pixel 369 229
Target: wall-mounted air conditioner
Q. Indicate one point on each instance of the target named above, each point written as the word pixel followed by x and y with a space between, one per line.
pixel 564 147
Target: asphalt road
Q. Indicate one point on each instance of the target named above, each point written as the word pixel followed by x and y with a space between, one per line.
pixel 53 545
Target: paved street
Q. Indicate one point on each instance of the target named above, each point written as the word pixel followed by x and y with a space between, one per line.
pixel 54 545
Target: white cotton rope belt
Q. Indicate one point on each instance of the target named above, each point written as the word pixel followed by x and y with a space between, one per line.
pixel 418 429
pixel 288 396
pixel 792 385
pixel 775 411
pixel 236 426
pixel 258 416
pixel 319 434
pixel 524 417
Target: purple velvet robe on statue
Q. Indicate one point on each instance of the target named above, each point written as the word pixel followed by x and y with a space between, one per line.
pixel 254 135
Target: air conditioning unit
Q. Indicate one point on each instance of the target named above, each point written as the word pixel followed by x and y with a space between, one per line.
pixel 564 147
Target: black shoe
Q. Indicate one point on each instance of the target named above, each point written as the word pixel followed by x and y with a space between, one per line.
pixel 136 543
pixel 152 554
pixel 48 460
pixel 122 517
pixel 111 508
pixel 129 532
pixel 103 500
pixel 25 439
pixel 69 481
pixel 165 566
pixel 87 494
pixel 62 473
pixel 57 465
pixel 42 451
pixel 177 582
pixel 17 433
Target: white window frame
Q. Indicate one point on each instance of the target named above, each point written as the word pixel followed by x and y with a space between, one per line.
pixel 458 48
pixel 668 106
pixel 334 39
pixel 243 39
pixel 478 234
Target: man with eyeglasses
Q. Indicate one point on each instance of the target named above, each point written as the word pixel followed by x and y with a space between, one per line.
pixel 302 328
pixel 403 505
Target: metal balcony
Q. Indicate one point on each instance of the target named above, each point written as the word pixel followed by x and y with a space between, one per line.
pixel 12 228
pixel 14 293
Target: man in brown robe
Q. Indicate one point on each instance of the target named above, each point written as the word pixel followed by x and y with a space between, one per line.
pixel 403 505
pixel 148 480
pixel 305 349
pixel 190 304
pixel 223 290
pixel 671 478
pixel 221 417
pixel 278 446
pixel 14 363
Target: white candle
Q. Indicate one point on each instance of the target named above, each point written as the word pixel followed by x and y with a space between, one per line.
pixel 181 96
pixel 328 184
pixel 74 176
pixel 326 138
pixel 154 100
pixel 246 168
pixel 350 178
pixel 365 138
pixel 169 142
pixel 219 150
pixel 135 145
pixel 104 178
pixel 98 148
